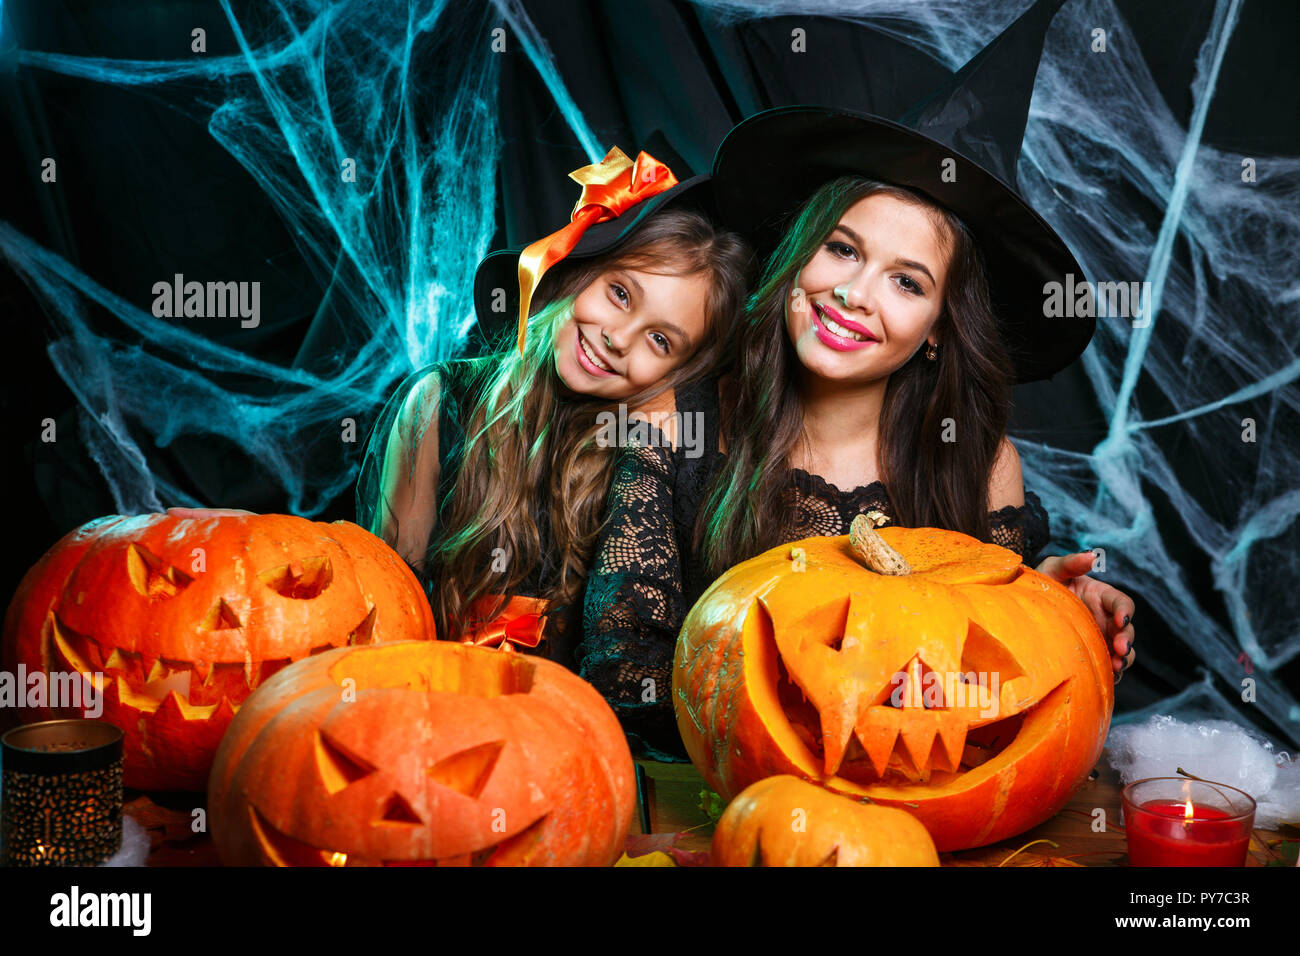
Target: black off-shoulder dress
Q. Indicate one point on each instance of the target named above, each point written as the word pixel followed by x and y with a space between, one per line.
pixel 645 576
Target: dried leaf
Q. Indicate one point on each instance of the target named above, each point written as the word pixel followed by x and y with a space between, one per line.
pixel 163 824
pixel 639 844
pixel 712 805
pixel 689 857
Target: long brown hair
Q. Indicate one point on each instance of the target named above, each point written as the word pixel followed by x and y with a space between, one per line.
pixel 931 482
pixel 532 448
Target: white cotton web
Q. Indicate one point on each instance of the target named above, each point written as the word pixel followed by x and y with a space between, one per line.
pixel 1216 357
pixel 1136 191
pixel 134 850
pixel 401 92
pixel 1216 750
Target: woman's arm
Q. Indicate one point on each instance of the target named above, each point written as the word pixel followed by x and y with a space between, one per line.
pixel 634 604
pixel 1111 608
pixel 397 494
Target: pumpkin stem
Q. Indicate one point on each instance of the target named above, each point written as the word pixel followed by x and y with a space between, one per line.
pixel 874 551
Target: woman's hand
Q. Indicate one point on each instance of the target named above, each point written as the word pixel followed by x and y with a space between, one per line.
pixel 1112 608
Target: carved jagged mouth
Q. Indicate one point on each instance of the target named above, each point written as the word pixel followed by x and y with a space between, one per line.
pixel 144 682
pixel 900 745
pixel 280 849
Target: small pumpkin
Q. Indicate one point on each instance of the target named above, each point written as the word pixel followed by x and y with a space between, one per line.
pixel 792 663
pixel 184 616
pixel 785 821
pixel 423 753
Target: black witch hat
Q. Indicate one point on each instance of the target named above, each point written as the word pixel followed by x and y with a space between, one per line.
pixel 960 149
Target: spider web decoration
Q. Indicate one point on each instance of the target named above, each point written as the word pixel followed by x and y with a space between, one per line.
pixel 1205 376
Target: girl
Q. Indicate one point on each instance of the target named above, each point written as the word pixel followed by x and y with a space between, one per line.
pixel 871 356
pixel 490 475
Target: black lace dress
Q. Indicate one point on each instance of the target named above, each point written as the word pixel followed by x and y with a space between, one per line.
pixel 399 499
pixel 645 576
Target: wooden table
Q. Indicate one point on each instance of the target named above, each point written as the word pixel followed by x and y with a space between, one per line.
pixel 674 798
pixel 673 795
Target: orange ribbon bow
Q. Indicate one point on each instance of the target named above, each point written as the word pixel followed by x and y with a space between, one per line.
pixel 519 623
pixel 609 188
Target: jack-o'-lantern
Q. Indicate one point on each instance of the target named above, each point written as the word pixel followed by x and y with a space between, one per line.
pixel 785 821
pixel 423 753
pixel 182 617
pixel 960 685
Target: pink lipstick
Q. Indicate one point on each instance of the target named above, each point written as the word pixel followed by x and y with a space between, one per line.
pixel 841 343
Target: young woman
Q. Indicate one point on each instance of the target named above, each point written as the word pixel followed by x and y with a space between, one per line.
pixel 490 476
pixel 874 374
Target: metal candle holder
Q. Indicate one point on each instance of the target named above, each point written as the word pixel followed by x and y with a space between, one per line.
pixel 62 794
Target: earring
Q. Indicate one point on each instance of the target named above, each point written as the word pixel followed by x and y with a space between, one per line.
pixel 932 352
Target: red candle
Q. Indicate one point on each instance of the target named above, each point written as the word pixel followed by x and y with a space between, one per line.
pixel 1170 833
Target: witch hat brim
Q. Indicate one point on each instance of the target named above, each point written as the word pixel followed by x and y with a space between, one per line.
pixel 496 281
pixel 771 163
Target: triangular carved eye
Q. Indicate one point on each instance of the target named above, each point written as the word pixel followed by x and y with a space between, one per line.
pixel 338 767
pixel 985 654
pixel 467 772
pixel 152 576
pixel 364 632
pixel 82 653
pixel 398 813
pixel 220 617
pixel 302 580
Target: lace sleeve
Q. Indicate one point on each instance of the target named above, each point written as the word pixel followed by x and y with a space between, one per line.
pixel 397 489
pixel 634 605
pixel 1025 530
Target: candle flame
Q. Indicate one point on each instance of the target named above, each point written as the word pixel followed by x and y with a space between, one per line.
pixel 1187 811
pixel 337 859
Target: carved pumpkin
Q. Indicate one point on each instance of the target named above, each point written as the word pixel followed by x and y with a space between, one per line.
pixel 423 753
pixel 184 617
pixel 783 821
pixel 973 691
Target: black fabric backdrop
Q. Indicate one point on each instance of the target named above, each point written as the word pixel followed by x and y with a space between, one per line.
pixel 153 185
